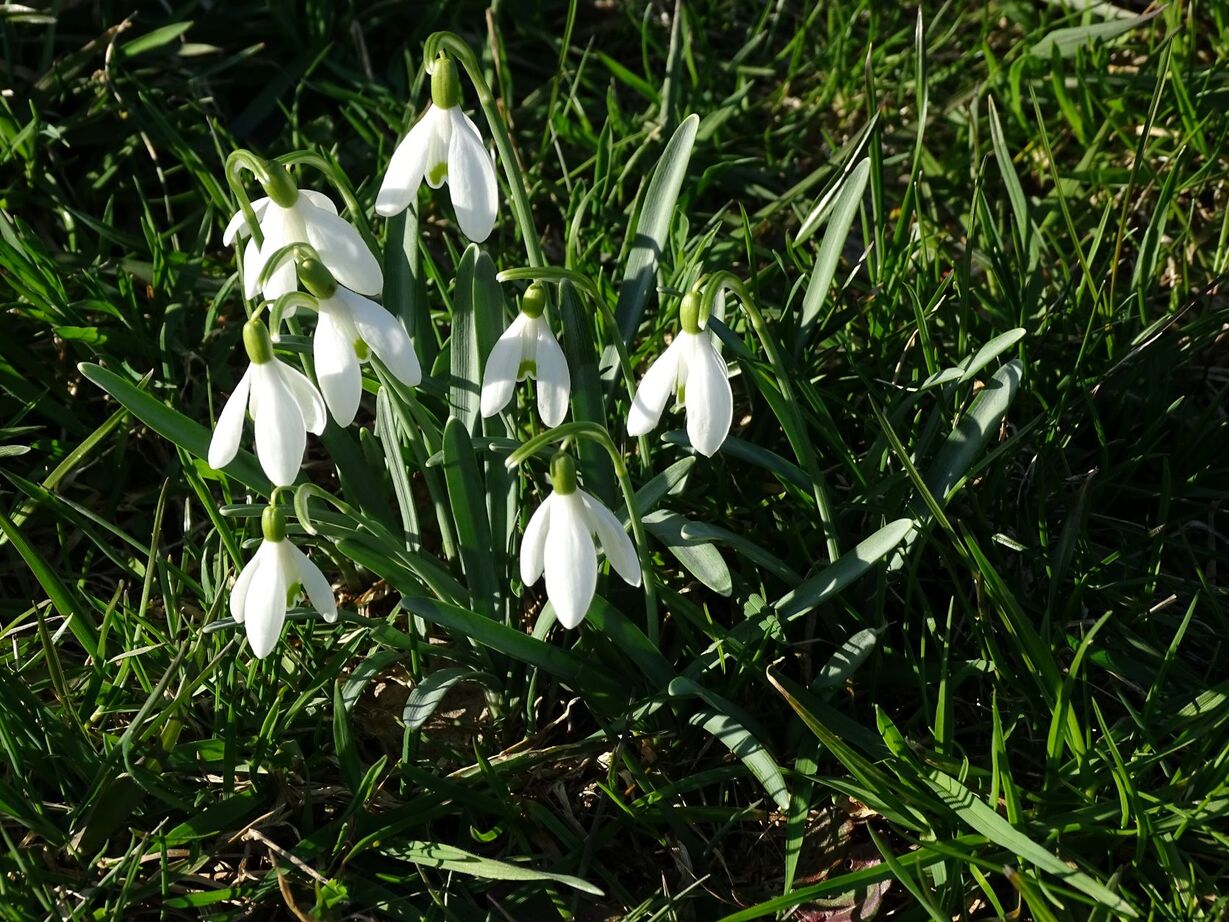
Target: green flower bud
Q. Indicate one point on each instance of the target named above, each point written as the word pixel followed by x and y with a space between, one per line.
pixel 279 186
pixel 257 342
pixel 445 84
pixel 534 301
pixel 273 524
pixel 689 313
pixel 316 278
pixel 563 473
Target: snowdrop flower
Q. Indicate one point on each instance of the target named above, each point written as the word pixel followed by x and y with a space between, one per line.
pixel 271 580
pixel 692 369
pixel 348 329
pixel 528 348
pixel 289 215
pixel 444 147
pixel 285 405
pixel 559 540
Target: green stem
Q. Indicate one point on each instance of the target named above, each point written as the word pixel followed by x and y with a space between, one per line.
pixel 339 182
pixel 237 162
pixel 795 430
pixel 290 299
pixel 454 44
pixel 599 434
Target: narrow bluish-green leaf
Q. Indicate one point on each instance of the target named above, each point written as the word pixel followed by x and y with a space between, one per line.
pixel 849 567
pixel 1067 41
pixel 698 557
pixel 455 860
pixel 653 227
pixel 467 495
pixel 426 696
pixel 844 210
pixel 728 724
pixel 173 426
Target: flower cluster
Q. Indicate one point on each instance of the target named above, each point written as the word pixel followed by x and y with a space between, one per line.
pixel 298 252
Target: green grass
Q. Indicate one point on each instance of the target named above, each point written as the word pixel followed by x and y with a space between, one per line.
pixel 1017 706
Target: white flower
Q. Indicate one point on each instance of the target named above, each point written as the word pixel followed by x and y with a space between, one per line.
pixel 560 541
pixel 310 218
pixel 692 368
pixel 274 577
pixel 528 348
pixel 347 327
pixel 444 146
pixel 284 404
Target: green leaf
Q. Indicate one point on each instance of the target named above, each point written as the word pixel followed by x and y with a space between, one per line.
pixel 469 512
pixel 981 817
pixel 1015 192
pixel 701 559
pixel 173 426
pixel 844 210
pixel 465 382
pixel 455 860
pixel 1068 41
pixel 727 723
pixel 845 661
pixel 426 696
pixel 343 739
pixel 155 39
pixel 969 437
pixel 653 227
pixel 850 566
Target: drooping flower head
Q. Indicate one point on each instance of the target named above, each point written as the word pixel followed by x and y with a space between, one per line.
pixel 560 541
pixel 271 581
pixel 528 348
pixel 349 328
pixel 444 147
pixel 284 404
pixel 289 215
pixel 692 370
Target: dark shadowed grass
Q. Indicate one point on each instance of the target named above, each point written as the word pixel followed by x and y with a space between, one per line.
pixel 1018 705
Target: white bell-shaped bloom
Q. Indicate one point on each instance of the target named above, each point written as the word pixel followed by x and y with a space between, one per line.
pixel 692 369
pixel 275 576
pixel 559 541
pixel 284 404
pixel 528 348
pixel 289 215
pixel 444 146
pixel 349 328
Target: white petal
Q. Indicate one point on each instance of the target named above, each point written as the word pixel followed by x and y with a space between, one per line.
pixel 239 592
pixel 315 585
pixel 281 435
pixel 343 251
pixel 266 600
pixel 554 381
pixel 571 560
pixel 471 179
pixel 385 335
pixel 655 389
pixel 406 168
pixel 615 543
pixel 306 397
pixel 280 228
pixel 533 544
pixel 502 366
pixel 238 226
pixel 319 199
pixel 225 442
pixel 252 264
pixel 708 399
pixel 341 382
pixel 438 138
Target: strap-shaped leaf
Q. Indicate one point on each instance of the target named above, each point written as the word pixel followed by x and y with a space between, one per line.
pixel 653 226
pixel 451 858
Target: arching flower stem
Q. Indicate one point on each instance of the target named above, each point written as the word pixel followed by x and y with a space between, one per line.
pixel 794 429
pixel 457 47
